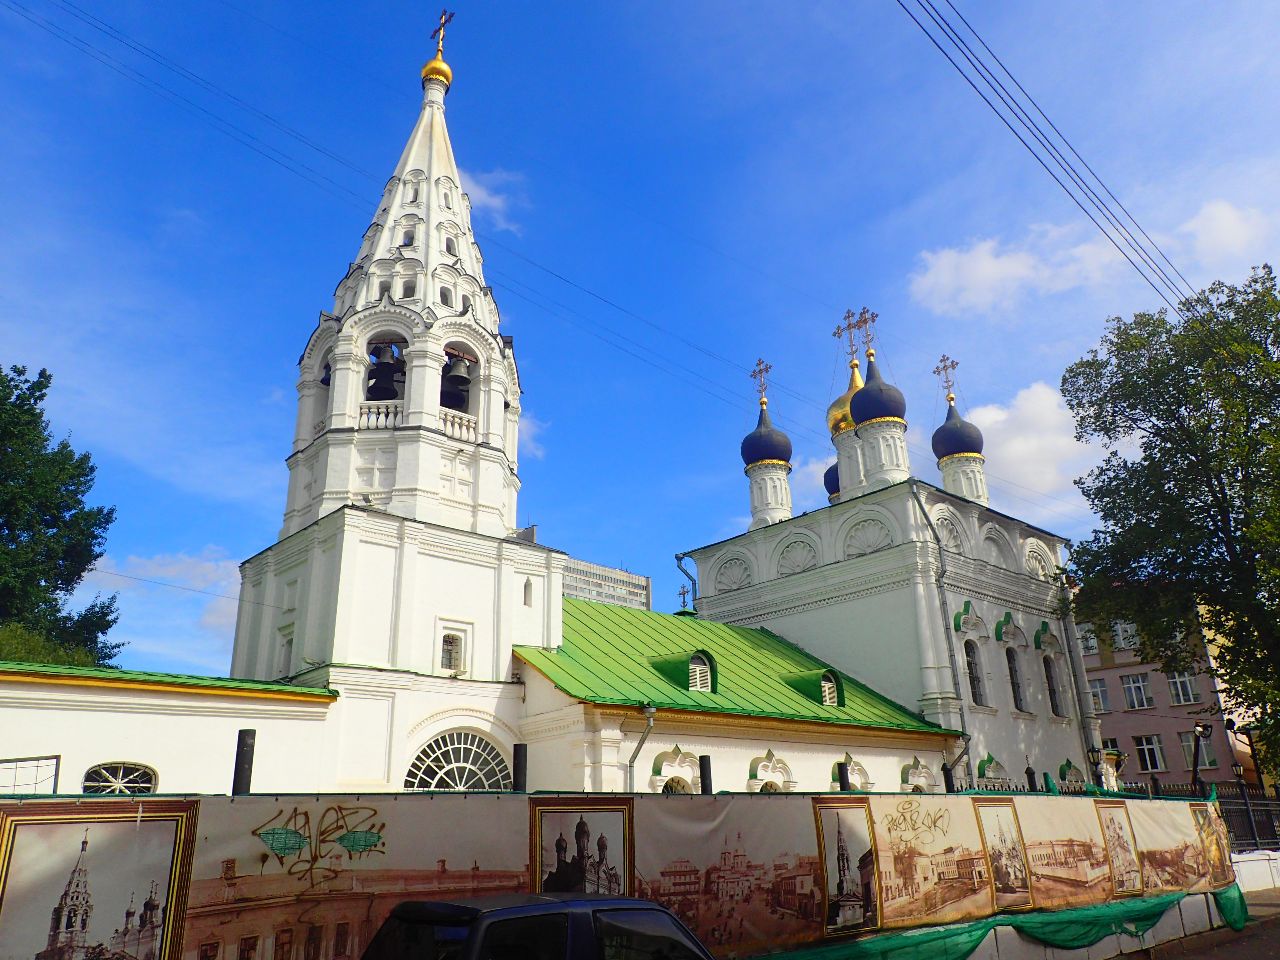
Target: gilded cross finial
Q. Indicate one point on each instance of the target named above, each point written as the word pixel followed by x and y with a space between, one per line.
pixel 846 330
pixel 759 374
pixel 684 596
pixel 864 325
pixel 944 371
pixel 438 33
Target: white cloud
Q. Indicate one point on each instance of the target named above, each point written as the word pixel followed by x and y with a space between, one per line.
pixel 1033 456
pixel 177 610
pixel 531 432
pixel 495 194
pixel 1222 234
pixel 984 277
pixel 807 490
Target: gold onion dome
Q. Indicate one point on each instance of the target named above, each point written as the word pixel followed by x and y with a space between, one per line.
pixel 437 69
pixel 838 417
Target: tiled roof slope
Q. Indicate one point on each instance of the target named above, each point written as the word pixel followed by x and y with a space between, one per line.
pixel 619 655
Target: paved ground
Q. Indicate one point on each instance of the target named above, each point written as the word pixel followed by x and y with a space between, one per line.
pixel 1260 940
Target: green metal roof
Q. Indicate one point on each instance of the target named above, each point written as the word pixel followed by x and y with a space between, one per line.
pixel 620 655
pixel 111 675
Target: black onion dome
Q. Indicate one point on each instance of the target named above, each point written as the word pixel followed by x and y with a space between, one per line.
pixel 765 442
pixel 878 399
pixel 956 435
pixel 831 479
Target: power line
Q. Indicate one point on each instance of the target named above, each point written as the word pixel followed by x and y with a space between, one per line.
pixel 178 586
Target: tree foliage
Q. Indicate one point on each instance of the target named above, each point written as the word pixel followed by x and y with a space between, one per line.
pixel 1189 492
pixel 49 537
pixel 24 645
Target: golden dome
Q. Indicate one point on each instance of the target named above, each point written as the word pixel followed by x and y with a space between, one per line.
pixel 436 68
pixel 838 418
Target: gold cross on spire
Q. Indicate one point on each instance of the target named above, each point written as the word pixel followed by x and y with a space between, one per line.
pixel 847 329
pixel 944 371
pixel 438 33
pixel 759 373
pixel 866 321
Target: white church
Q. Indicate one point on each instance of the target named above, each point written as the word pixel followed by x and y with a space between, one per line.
pixel 403 634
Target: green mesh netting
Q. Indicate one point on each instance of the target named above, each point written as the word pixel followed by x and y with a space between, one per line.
pixel 1232 906
pixel 1064 929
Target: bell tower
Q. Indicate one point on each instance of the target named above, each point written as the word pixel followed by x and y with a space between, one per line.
pixel 408 396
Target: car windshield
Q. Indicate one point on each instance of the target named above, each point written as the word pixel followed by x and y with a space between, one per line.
pixel 399 940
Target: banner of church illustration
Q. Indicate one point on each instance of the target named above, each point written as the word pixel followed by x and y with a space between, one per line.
pixel 312 878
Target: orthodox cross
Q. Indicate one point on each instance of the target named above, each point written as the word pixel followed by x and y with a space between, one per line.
pixel 866 320
pixel 684 596
pixel 847 329
pixel 438 33
pixel 943 371
pixel 758 374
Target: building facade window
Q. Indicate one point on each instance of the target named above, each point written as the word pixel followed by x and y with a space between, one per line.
pixel 677 785
pixel 1015 679
pixel 450 246
pixel 446 296
pixel 974 668
pixel 451 652
pixel 210 950
pixel 1137 693
pixel 410 288
pixel 458 760
pixel 284 945
pixel 830 691
pixel 1182 688
pixel 1110 743
pixel 1150 753
pixel 1051 684
pixel 1207 758
pixel 117 778
pixel 248 949
pixel 699 673
pixel 1088 643
pixel 1098 693
pixel 341 940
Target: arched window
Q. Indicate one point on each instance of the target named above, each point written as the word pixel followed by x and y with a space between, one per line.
pixel 678 785
pixel 1015 679
pixel 451 652
pixel 1051 682
pixel 830 690
pixel 120 777
pixel 384 288
pixel 699 673
pixel 528 592
pixel 407 239
pixel 466 303
pixel 410 288
pixel 974 669
pixel 446 296
pixel 448 200
pixel 450 247
pixel 458 760
pixel 411 193
pixel 769 786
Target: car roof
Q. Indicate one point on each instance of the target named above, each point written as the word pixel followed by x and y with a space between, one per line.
pixel 466 909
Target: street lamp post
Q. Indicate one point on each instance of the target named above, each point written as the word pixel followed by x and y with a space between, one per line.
pixel 1237 769
pixel 1202 731
pixel 1095 760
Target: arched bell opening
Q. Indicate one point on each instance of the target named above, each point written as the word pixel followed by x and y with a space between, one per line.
pixel 385 382
pixel 459 379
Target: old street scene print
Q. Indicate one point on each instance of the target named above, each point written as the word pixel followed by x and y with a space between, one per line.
pixel 931 862
pixel 1122 850
pixel 1006 853
pixel 1065 852
pixel 849 863
pixel 1216 842
pixel 744 880
pixel 1170 850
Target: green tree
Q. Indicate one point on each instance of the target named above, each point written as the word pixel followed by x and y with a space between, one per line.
pixel 49 538
pixel 1189 492
pixel 23 645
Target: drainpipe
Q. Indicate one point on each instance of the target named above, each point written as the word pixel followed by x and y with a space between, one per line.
pixel 940 580
pixel 680 558
pixel 649 711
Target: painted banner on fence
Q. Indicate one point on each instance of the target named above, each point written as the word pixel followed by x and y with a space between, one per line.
pixel 312 878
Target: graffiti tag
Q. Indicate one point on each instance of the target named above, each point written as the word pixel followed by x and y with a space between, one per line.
pixel 911 823
pixel 313 848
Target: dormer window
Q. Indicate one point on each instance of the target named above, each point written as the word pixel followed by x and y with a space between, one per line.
pixel 699 673
pixel 830 691
pixel 450 247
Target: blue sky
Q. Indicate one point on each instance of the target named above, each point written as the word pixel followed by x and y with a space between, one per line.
pixel 731 176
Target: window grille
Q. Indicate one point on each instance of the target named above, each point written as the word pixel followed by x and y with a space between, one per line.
pixel 975 673
pixel 699 673
pixel 458 760
pixel 1015 679
pixel 450 652
pixel 117 777
pixel 678 785
pixel 830 692
pixel 1051 684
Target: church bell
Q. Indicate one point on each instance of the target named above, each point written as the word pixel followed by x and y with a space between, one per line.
pixel 455 384
pixel 382 378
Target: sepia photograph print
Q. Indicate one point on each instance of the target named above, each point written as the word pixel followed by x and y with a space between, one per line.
pixel 1122 850
pixel 930 860
pixel 100 879
pixel 581 845
pixel 1066 855
pixel 1006 853
pixel 742 874
pixel 312 878
pixel 1170 850
pixel 845 842
pixel 1216 841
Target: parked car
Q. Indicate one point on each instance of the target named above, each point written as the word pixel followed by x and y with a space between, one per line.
pixel 544 926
